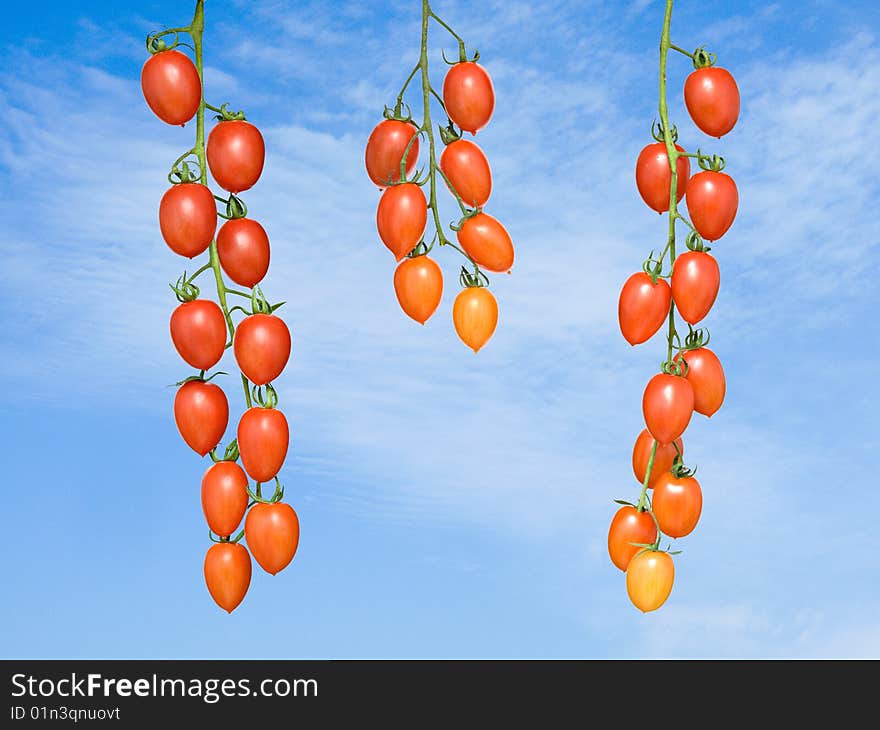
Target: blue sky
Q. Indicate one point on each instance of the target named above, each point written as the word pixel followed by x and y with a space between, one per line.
pixel 450 505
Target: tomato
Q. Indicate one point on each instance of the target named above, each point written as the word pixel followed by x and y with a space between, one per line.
pixel 224 497
pixel 475 315
pixel 712 201
pixel 677 503
pixel 236 153
pixel 385 148
pixel 712 100
pixel 418 283
pixel 262 347
pixel 401 218
pixel 272 533
pixel 653 176
pixel 243 249
pixel 468 170
pixel 263 438
pixel 695 283
pixel 188 218
pixel 487 242
pixel 649 579
pixel 663 458
pixel 706 377
pixel 198 331
pixel 171 86
pixel 629 526
pixel 643 307
pixel 201 412
pixel 469 96
pixel 227 574
pixel 667 404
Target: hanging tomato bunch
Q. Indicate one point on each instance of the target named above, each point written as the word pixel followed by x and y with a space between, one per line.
pixel 691 377
pixel 202 330
pixel 392 156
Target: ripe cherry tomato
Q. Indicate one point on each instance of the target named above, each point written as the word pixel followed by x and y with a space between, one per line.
pixel 653 176
pixel 171 86
pixel 385 149
pixel 667 404
pixel 677 503
pixel 706 377
pixel 262 347
pixel 224 497
pixel 198 331
pixel 418 283
pixel 468 170
pixel 243 248
pixel 201 412
pixel 649 579
pixel 469 96
pixel 475 315
pixel 263 438
pixel 236 153
pixel 629 526
pixel 643 307
pixel 695 283
pixel 712 201
pixel 228 574
pixel 401 218
pixel 272 534
pixel 712 99
pixel 188 218
pixel 663 459
pixel 487 242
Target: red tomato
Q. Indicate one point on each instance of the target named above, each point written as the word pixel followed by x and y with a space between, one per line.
pixel 262 347
pixel 706 377
pixel 401 218
pixel 677 503
pixel 227 574
pixel 188 218
pixel 385 149
pixel 643 307
pixel 663 459
pixel 201 412
pixel 243 248
pixel 667 404
pixel 712 201
pixel 695 283
pixel 468 96
pixel 263 438
pixel 418 284
pixel 468 170
pixel 653 176
pixel 629 526
pixel 224 497
pixel 236 153
pixel 487 242
pixel 272 533
pixel 712 99
pixel 171 86
pixel 649 579
pixel 475 316
pixel 198 331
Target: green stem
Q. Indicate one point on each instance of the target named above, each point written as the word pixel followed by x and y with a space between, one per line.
pixel 673 47
pixel 643 497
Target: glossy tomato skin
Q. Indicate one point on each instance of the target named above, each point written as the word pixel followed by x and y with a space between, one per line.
pixel 198 331
pixel 712 99
pixel 677 503
pixel 272 534
pixel 188 218
pixel 201 412
pixel 171 86
pixel 668 404
pixel 712 202
pixel 475 316
pixel 262 347
pixel 224 497
pixel 628 526
pixel 653 176
pixel 487 242
pixel 469 96
pixel 706 377
pixel 227 574
pixel 243 249
pixel 401 218
pixel 263 439
pixel 418 284
pixel 643 307
pixel 695 283
pixel 649 579
pixel 385 149
pixel 468 170
pixel 236 153
pixel 663 458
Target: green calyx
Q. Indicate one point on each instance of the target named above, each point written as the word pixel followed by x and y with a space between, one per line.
pixel 472 280
pixel 679 470
pixel 653 267
pixel 696 338
pixel 658 132
pixel 420 250
pixel 235 207
pixel 715 163
pixel 231 453
pixel 449 133
pixel 257 495
pixel 200 377
pixel 677 367
pixel 261 305
pixel 224 115
pixel 185 289
pixel 704 58
pixel 181 172
pixel 397 113
pixel 265 396
pixel 695 242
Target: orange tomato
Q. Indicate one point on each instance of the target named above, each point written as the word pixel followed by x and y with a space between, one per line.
pixel 236 153
pixel 712 99
pixel 628 526
pixel 262 347
pixel 643 307
pixel 668 404
pixel 653 176
pixel 227 574
pixel 468 170
pixel 224 497
pixel 475 315
pixel 188 218
pixel 401 218
pixel 418 284
pixel 263 440
pixel 677 504
pixel 662 459
pixel 706 377
pixel 272 534
pixel 649 579
pixel 469 96
pixel 487 242
pixel 201 413
pixel 385 148
pixel 171 86
pixel 198 331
